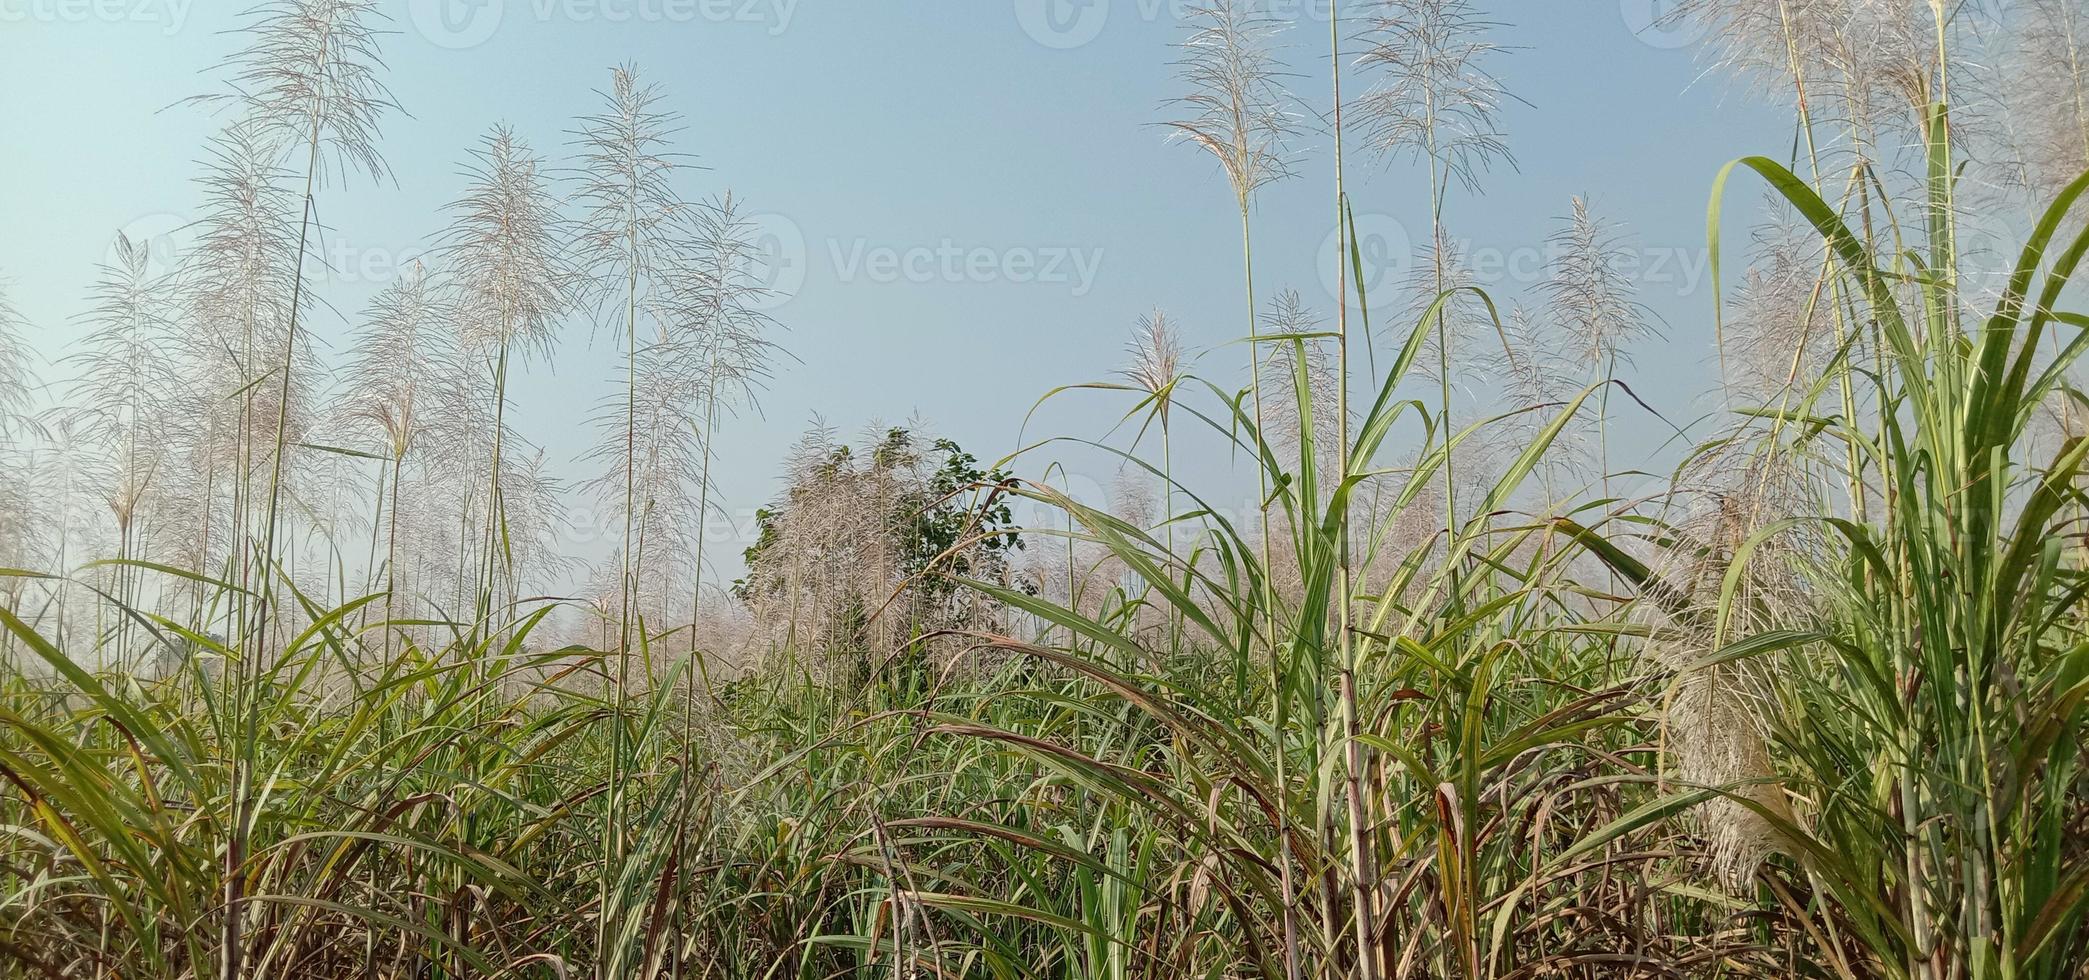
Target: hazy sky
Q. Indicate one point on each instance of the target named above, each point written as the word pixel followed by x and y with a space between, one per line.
pixel 970 199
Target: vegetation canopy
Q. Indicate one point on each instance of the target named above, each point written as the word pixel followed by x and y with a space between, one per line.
pixel 296 681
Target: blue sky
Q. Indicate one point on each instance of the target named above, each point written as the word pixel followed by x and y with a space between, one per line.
pixel 984 204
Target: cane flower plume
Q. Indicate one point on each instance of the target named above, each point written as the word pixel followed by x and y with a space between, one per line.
pixel 1236 108
pixel 311 75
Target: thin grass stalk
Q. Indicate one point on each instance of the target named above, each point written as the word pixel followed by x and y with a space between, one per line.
pixel 236 848
pixel 1844 381
pixel 1155 371
pixel 297 287
pixel 612 818
pixel 1439 187
pixel 391 559
pixel 1168 519
pixel 1262 500
pixel 1365 886
pixel 696 587
pixel 1278 685
pixel 494 561
pixel 1237 116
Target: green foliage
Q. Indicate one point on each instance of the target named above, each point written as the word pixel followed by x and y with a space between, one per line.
pixel 1836 724
pixel 932 519
pixel 978 540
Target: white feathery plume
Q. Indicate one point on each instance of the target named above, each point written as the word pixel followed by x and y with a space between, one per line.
pixel 533 504
pixel 1455 347
pixel 66 479
pixel 310 76
pixel 1590 296
pixel 837 546
pixel 17 376
pixel 503 258
pixel 2048 115
pixel 1531 366
pixel 189 493
pixel 648 454
pixel 1156 367
pixel 824 548
pixel 453 406
pixel 1777 44
pixel 236 282
pixel 308 79
pixel 1869 69
pixel 1156 360
pixel 21 530
pixel 405 345
pixel 630 211
pixel 1236 109
pixel 126 378
pixel 508 278
pixel 629 206
pixel 1595 306
pixel 712 307
pixel 1289 314
pixel 1716 718
pixel 456 447
pixel 1537 380
pixel 1435 98
pixel 403 353
pixel 1779 336
pixel 718 341
pixel 2051 89
pixel 1883 67
pixel 604 595
pixel 1131 498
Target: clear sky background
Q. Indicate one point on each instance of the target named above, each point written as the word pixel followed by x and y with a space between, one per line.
pixel 862 127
